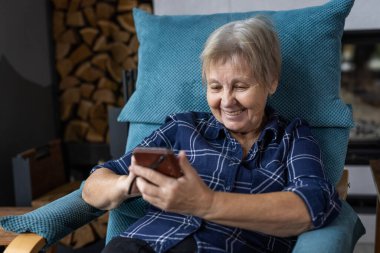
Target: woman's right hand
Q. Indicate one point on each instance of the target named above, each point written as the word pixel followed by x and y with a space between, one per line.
pixel 106 190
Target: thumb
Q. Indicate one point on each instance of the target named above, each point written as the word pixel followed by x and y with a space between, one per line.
pixel 184 163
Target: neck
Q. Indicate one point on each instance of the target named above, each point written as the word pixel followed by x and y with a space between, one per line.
pixel 247 139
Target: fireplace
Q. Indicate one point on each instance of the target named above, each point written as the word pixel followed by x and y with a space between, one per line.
pixel 360 87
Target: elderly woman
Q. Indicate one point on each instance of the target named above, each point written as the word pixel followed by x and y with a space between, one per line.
pixel 251 182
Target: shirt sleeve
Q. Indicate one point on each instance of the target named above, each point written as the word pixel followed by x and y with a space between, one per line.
pixel 306 175
pixel 162 137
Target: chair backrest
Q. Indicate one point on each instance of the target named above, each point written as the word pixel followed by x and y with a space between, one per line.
pixel 169 78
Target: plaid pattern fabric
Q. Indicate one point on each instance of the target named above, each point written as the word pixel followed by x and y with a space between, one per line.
pixel 285 158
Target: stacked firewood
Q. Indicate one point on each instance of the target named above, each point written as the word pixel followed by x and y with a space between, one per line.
pixel 94 42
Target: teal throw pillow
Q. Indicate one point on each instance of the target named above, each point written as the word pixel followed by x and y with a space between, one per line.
pixel 169 77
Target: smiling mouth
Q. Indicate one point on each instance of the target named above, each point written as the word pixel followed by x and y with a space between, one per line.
pixel 233 113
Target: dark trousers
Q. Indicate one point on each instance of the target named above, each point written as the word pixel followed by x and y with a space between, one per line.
pixel 131 245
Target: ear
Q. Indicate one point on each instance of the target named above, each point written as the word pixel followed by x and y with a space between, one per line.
pixel 273 87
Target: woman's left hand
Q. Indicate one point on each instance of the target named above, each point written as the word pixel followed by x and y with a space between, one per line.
pixel 187 194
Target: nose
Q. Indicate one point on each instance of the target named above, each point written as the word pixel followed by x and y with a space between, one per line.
pixel 228 98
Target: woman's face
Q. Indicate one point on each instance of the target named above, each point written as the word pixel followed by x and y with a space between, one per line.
pixel 235 99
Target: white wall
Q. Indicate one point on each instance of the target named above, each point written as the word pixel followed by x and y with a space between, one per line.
pixel 364 14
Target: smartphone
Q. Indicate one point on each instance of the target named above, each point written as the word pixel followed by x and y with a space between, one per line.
pixel 160 159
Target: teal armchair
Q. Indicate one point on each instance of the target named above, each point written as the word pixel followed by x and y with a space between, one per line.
pixel 169 80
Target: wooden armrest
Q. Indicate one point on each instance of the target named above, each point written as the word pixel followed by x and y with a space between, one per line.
pixel 375 168
pixel 342 185
pixel 26 243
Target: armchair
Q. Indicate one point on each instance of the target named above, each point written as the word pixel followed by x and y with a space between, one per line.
pixel 169 80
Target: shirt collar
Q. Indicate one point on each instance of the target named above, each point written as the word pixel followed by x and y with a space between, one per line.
pixel 270 132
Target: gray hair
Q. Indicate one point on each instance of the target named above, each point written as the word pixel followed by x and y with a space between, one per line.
pixel 254 40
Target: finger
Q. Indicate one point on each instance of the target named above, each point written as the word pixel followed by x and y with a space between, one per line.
pixel 133 160
pixel 146 188
pixel 184 163
pixel 151 175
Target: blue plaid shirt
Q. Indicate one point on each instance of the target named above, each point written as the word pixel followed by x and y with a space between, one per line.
pixel 286 157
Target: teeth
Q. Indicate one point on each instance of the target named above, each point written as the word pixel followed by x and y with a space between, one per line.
pixel 234 113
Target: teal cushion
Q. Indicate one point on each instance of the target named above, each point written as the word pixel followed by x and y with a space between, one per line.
pixel 333 144
pixel 169 78
pixel 124 215
pixel 340 236
pixel 137 132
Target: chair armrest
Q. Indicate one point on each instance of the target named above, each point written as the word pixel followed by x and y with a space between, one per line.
pixel 26 243
pixel 54 220
pixel 340 236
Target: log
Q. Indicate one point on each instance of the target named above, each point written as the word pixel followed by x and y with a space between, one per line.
pixel 105 83
pixel 67 240
pixel 146 7
pixel 100 225
pixel 104 96
pixel 126 5
pixel 83 236
pixel 88 35
pixel 80 54
pixel 100 60
pixel 58 24
pixel 93 136
pixel 86 90
pixel 104 11
pixel 68 99
pixel 68 82
pixel 98 111
pixel 84 109
pixel 107 27
pixel 129 63
pixel 100 44
pixel 74 4
pixel 89 13
pixel 66 111
pixel 75 19
pixel 99 125
pixel 119 51
pixel 114 70
pixel 60 4
pixel 134 44
pixel 88 73
pixel 69 37
pixel 136 58
pixel 70 96
pixel 64 67
pixel 61 50
pixel 76 130
pixel 88 3
pixel 126 21
pixel 121 36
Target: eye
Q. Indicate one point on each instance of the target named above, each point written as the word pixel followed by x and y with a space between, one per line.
pixel 214 87
pixel 241 86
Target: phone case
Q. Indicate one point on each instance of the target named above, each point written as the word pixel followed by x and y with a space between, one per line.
pixel 160 159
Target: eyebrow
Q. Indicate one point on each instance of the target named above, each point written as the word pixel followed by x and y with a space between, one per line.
pixel 235 80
